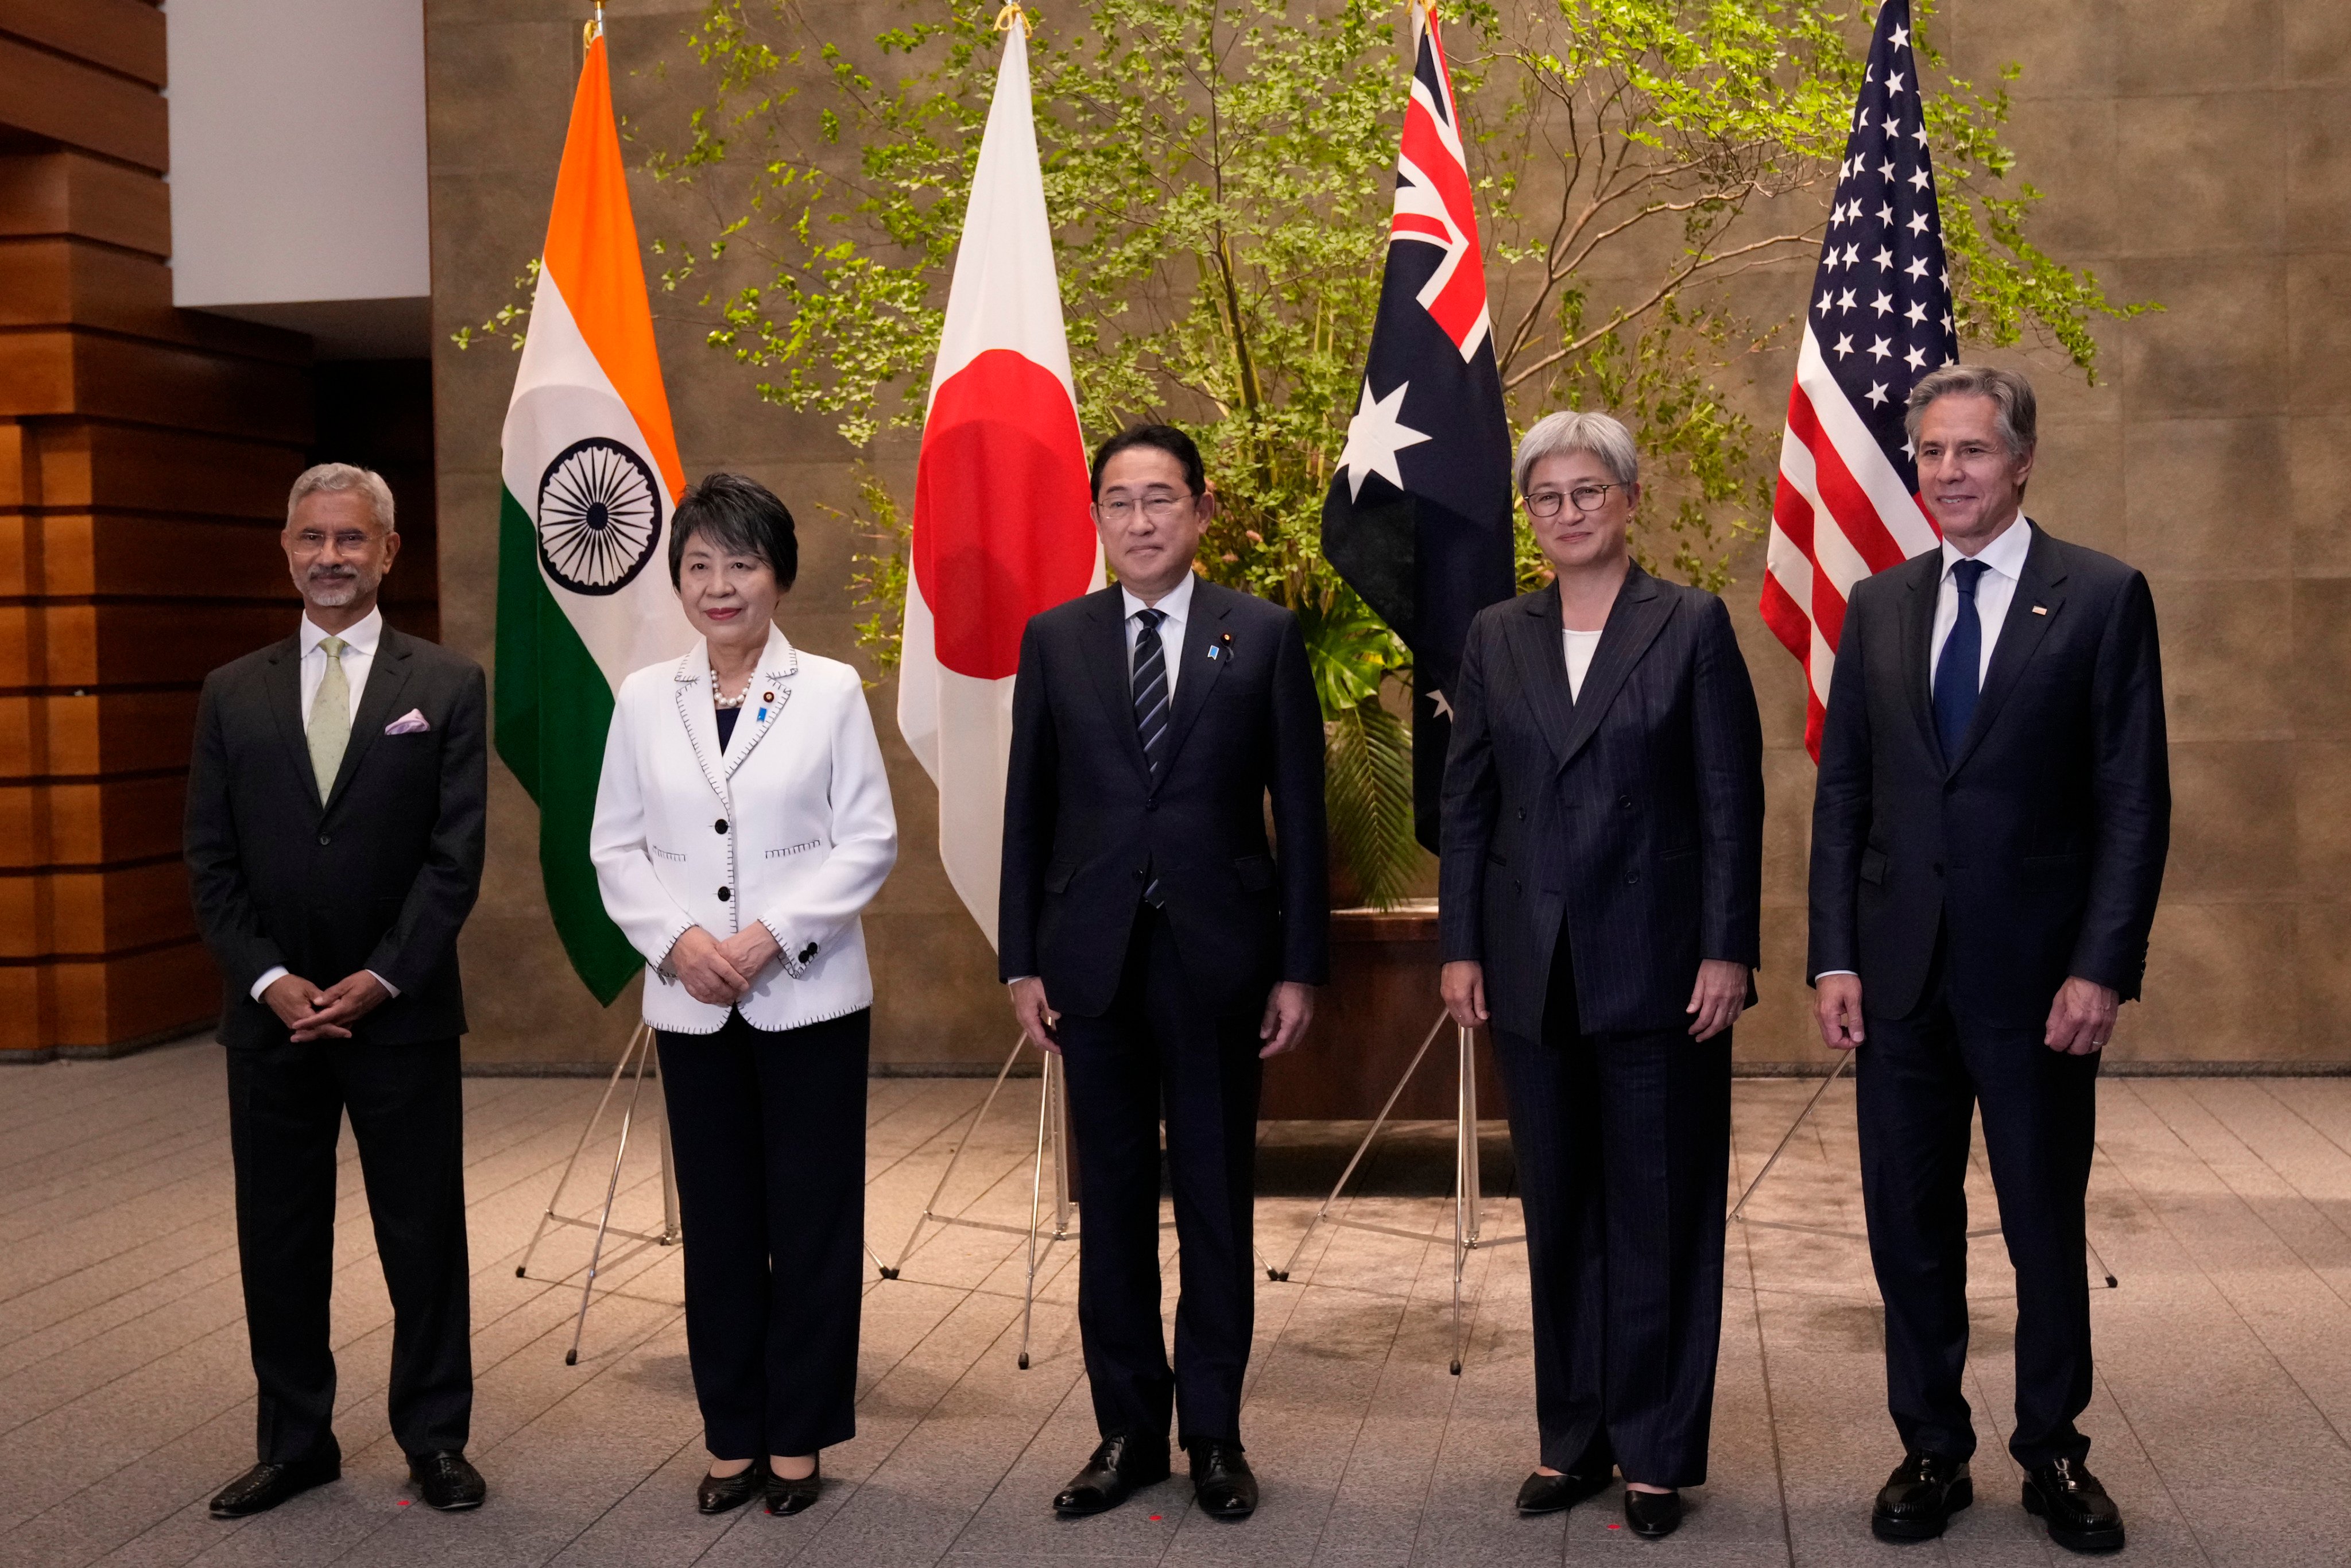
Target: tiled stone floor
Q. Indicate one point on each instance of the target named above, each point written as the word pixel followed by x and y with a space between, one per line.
pixel 2220 1416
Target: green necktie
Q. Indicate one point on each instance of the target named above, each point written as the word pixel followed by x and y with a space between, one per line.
pixel 330 717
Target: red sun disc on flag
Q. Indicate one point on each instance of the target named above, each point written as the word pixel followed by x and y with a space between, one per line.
pixel 1002 530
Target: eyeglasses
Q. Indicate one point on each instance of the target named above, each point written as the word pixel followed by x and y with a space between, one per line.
pixel 1158 507
pixel 1587 499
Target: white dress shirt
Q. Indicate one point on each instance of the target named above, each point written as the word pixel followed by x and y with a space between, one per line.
pixel 359 641
pixel 1177 608
pixel 1994 590
pixel 1581 646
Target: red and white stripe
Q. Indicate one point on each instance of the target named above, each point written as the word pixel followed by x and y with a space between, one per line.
pixel 1842 512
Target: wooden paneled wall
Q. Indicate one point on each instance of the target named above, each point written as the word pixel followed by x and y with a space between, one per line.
pixel 144 458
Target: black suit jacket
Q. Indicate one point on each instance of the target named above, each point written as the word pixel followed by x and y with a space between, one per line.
pixel 1084 823
pixel 379 876
pixel 2039 849
pixel 1633 814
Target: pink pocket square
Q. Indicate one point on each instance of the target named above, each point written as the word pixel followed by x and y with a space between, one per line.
pixel 410 723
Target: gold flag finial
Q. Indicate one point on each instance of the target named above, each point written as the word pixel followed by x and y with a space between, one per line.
pixel 1010 14
pixel 593 29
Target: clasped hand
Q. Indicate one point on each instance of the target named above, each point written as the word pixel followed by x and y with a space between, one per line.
pixel 314 1014
pixel 719 973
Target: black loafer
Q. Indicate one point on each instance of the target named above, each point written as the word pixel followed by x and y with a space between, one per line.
pixel 722 1494
pixel 1653 1515
pixel 445 1481
pixel 786 1497
pixel 1919 1498
pixel 2081 1516
pixel 264 1486
pixel 1222 1482
pixel 1588 1477
pixel 1120 1466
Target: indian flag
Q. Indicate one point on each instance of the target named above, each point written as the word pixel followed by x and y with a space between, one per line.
pixel 591 475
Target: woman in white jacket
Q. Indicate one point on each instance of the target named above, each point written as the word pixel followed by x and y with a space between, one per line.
pixel 742 825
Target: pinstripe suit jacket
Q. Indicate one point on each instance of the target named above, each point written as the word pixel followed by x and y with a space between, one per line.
pixel 1628 821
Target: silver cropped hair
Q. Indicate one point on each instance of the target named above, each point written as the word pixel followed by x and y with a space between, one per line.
pixel 329 478
pixel 2011 394
pixel 1568 431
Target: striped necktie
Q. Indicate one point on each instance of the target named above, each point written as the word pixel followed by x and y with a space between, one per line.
pixel 330 717
pixel 1151 690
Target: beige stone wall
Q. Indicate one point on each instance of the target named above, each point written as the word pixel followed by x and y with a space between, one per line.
pixel 2195 151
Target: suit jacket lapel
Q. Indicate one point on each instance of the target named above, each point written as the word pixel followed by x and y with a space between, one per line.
pixel 1106 660
pixel 1542 656
pixel 1924 583
pixel 1640 613
pixel 764 699
pixel 691 682
pixel 387 677
pixel 282 687
pixel 2021 631
pixel 1199 673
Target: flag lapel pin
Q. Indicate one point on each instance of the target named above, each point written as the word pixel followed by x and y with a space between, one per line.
pixel 2041 610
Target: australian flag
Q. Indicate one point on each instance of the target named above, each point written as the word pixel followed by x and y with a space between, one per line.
pixel 1418 518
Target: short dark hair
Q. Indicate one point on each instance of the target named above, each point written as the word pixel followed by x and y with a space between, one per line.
pixel 1168 439
pixel 740 517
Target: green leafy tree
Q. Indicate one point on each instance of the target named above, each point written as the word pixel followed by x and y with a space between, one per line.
pixel 1218 174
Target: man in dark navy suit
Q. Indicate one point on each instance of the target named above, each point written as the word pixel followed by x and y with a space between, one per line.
pixel 334 841
pixel 1155 939
pixel 1988 841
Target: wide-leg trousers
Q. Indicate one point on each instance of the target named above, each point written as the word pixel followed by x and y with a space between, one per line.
pixel 768 1129
pixel 1918 1082
pixel 1623 1147
pixel 286 1109
pixel 1157 1054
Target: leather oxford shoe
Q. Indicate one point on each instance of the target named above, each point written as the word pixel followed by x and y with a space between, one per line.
pixel 264 1486
pixel 1588 1477
pixel 1653 1514
pixel 445 1481
pixel 718 1494
pixel 2082 1516
pixel 1120 1466
pixel 787 1497
pixel 1919 1498
pixel 1222 1482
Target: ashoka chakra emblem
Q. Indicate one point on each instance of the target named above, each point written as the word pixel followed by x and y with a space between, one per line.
pixel 598 516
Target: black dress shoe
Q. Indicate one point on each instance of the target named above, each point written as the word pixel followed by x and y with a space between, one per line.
pixel 1119 1467
pixel 445 1481
pixel 1222 1482
pixel 718 1494
pixel 786 1497
pixel 1653 1514
pixel 1919 1498
pixel 2082 1516
pixel 264 1486
pixel 1588 1477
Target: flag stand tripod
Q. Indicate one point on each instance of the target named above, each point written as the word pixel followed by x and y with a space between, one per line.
pixel 1467 1199
pixel 1053 1131
pixel 634 1062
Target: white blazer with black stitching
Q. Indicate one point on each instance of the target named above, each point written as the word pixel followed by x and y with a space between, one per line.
pixel 791 825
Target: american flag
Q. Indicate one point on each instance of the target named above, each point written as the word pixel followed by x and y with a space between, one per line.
pixel 1878 318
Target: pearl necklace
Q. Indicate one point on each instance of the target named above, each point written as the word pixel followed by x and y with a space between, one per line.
pixel 737 700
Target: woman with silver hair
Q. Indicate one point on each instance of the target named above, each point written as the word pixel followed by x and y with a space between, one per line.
pixel 1603 866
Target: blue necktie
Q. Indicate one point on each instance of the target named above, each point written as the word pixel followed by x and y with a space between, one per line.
pixel 1959 672
pixel 1151 706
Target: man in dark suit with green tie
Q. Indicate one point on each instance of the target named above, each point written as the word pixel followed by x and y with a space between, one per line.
pixel 334 844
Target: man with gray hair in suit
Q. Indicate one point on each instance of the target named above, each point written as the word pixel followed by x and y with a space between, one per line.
pixel 334 844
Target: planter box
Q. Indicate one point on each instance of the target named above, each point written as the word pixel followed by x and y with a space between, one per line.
pixel 1369 1020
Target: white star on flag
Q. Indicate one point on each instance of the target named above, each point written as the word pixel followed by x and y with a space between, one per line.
pixel 1375 436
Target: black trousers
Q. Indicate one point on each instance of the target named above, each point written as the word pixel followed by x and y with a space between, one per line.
pixel 1623 1152
pixel 1154 1054
pixel 768 1133
pixel 1918 1081
pixel 285 1108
